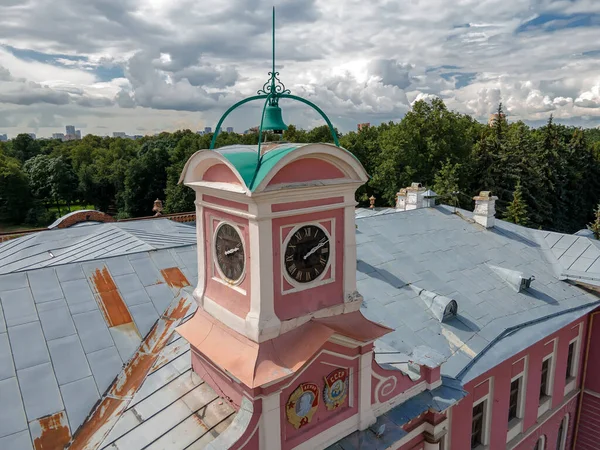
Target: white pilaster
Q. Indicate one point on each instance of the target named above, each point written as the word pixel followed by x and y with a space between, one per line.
pixel 201 252
pixel 269 432
pixel 261 322
pixel 350 293
pixel 366 416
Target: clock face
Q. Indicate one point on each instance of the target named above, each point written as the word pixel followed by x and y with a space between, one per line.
pixel 307 253
pixel 229 252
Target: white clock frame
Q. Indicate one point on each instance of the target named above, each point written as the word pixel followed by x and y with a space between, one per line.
pixel 320 280
pixel 221 276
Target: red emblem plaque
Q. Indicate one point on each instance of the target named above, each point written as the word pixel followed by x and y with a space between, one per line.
pixel 336 388
pixel 302 404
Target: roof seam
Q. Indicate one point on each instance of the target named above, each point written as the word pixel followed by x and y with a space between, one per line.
pixel 510 330
pixel 152 415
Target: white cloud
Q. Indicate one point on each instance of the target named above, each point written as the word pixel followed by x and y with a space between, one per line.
pixel 172 63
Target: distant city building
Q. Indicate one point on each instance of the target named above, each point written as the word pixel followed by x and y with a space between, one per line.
pixel 229 129
pixel 200 132
pixel 207 130
pixel 361 126
pixel 3 138
pixel 120 134
pixel 71 133
pixel 31 135
pixel 60 136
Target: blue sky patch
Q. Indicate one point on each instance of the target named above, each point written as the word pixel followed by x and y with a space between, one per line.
pixel 462 78
pixel 555 22
pixel 103 73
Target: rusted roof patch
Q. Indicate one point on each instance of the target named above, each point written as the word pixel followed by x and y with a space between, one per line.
pixel 97 426
pixel 174 277
pixel 51 432
pixel 111 304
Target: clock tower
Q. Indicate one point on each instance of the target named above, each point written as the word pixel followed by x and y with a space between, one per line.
pixel 278 331
pixel 276 235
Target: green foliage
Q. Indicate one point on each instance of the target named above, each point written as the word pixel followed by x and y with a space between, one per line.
pixel 516 212
pixel 15 194
pixel 549 176
pixel 446 182
pixel 595 225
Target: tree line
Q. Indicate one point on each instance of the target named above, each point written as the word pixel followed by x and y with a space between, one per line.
pixel 548 177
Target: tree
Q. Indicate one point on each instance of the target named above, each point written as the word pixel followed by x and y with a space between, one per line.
pixel 24 147
pixel 517 209
pixel 15 195
pixel 595 225
pixel 446 182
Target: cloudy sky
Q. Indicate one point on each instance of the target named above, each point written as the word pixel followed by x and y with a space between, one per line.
pixel 143 66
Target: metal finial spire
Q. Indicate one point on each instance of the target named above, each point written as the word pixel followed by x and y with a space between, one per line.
pixel 273 85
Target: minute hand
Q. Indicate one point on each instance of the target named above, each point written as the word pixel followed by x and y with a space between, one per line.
pixel 314 249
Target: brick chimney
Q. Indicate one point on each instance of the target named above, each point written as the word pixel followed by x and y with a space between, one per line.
pixel 485 209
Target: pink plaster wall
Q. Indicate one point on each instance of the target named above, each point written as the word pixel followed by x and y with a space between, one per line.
pixel 224 386
pixel 306 169
pixel 222 174
pixel 277 207
pixel 589 423
pixel 589 416
pixel 550 429
pixel 294 304
pixel 394 383
pixel 231 299
pixel 225 202
pixel 498 379
pixel 323 418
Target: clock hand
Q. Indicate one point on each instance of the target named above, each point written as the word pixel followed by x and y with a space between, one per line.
pixel 232 250
pixel 314 249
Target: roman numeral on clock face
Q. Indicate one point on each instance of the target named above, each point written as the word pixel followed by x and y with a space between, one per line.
pixel 306 254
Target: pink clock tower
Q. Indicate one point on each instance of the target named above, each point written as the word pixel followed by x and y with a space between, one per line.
pixel 278 332
pixel 279 312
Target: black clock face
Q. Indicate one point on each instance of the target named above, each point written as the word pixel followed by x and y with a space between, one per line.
pixel 229 252
pixel 307 253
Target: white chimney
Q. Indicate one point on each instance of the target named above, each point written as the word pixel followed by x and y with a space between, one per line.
pixel 401 200
pixel 485 209
pixel 414 196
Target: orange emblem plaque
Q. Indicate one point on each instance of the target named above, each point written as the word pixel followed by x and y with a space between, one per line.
pixel 302 404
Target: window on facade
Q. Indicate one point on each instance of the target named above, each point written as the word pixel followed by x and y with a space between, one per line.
pixel 545 376
pixel 539 445
pixel 570 360
pixel 513 407
pixel 559 437
pixel 477 425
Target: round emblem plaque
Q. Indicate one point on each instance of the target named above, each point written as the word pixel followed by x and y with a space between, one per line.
pixel 302 404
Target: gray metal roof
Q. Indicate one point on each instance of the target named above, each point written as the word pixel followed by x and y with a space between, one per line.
pixel 61 344
pixel 577 257
pixel 76 244
pixel 448 254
